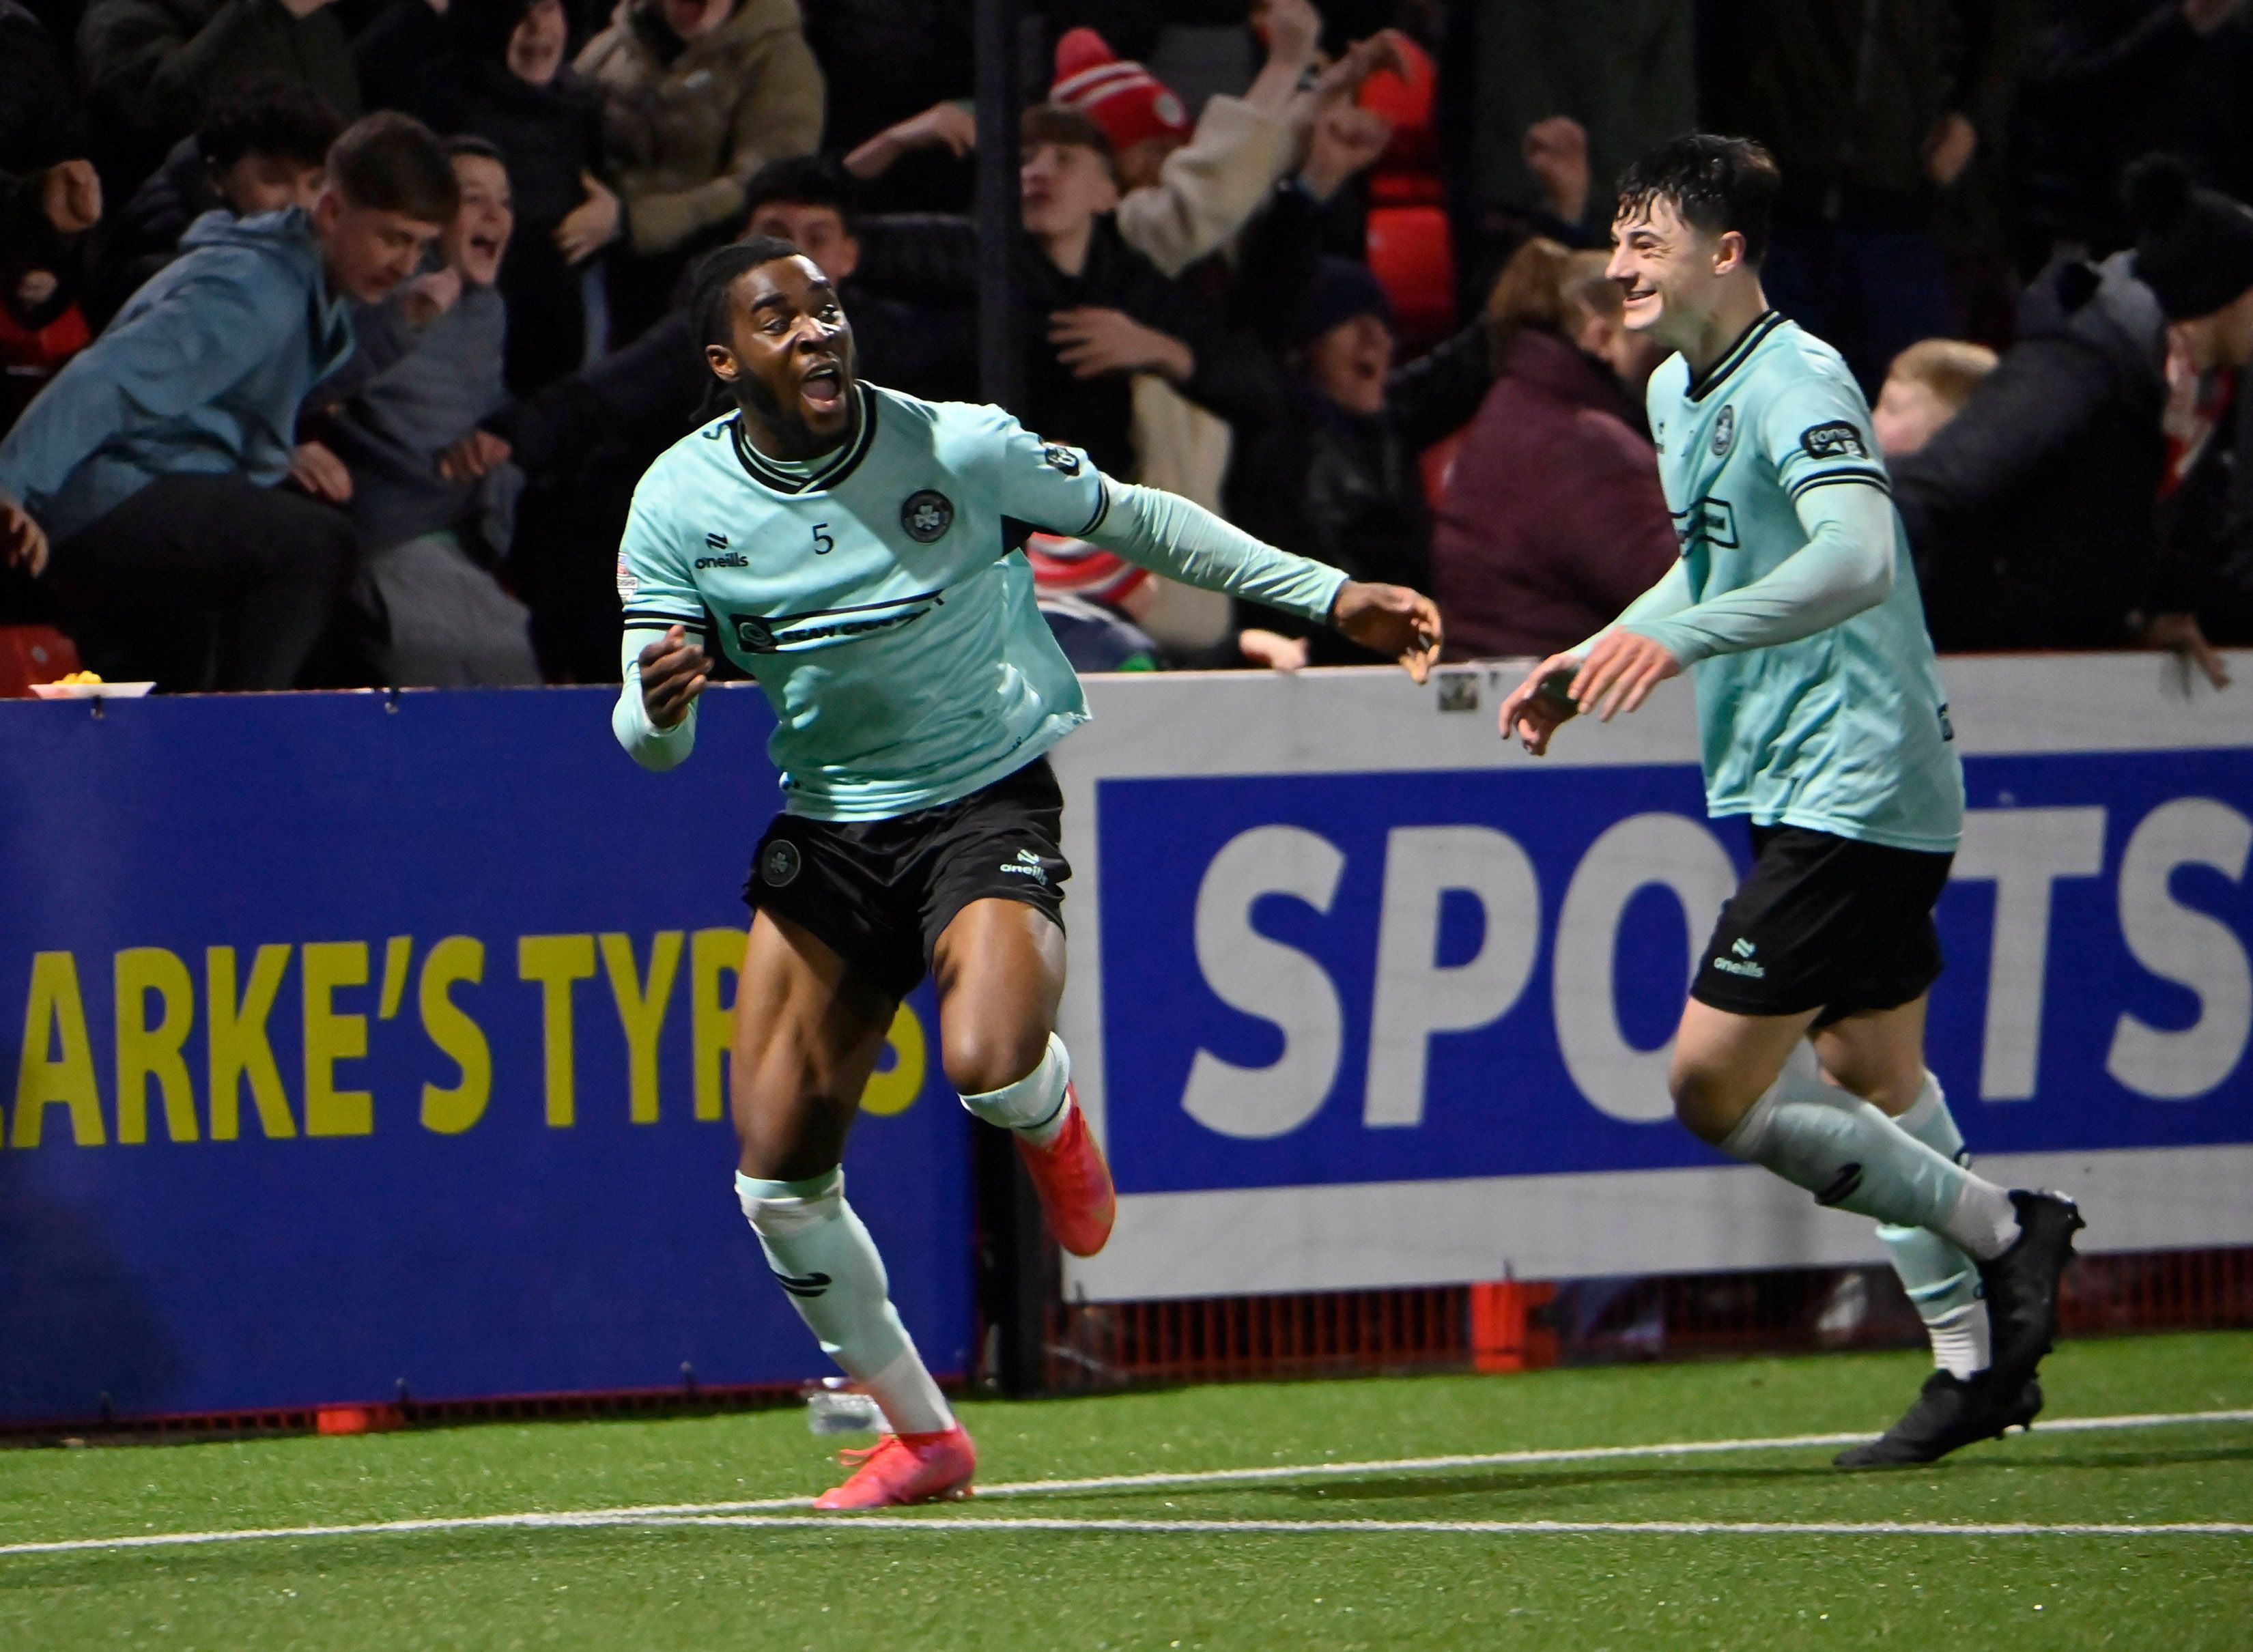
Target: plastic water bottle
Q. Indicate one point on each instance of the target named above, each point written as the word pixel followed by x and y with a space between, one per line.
pixel 834 1408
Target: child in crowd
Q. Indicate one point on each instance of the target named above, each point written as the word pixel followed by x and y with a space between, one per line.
pixel 428 368
pixel 1926 387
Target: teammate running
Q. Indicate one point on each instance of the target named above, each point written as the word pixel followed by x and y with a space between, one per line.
pixel 859 552
pixel 1821 716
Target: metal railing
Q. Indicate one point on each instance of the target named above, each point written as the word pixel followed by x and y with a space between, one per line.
pixel 1520 1325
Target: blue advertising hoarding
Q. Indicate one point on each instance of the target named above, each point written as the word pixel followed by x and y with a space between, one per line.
pixel 1379 999
pixel 349 1040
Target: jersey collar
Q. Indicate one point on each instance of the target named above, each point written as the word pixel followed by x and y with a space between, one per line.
pixel 828 474
pixel 1747 341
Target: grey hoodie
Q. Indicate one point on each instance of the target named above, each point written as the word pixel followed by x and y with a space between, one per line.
pixel 201 374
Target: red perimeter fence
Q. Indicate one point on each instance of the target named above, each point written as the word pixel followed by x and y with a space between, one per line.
pixel 1095 1347
pixel 1520 1326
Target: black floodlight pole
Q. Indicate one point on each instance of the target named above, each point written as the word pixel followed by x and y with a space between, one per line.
pixel 1016 1261
pixel 1000 96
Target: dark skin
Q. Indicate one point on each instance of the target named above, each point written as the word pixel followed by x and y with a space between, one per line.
pixel 809 1027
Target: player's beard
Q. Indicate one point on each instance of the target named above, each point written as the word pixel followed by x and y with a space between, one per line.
pixel 800 440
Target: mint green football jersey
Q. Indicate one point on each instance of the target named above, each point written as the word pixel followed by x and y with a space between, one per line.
pixel 882 599
pixel 1844 731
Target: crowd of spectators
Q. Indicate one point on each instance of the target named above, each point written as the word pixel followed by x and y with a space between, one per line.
pixel 337 333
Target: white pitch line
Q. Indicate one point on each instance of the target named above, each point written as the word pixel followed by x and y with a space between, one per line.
pixel 773 1511
pixel 1565 1455
pixel 1568 1528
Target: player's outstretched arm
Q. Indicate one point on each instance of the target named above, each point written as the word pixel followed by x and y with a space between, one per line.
pixel 1560 688
pixel 655 718
pixel 1390 619
pixel 1170 535
pixel 1543 703
pixel 1846 566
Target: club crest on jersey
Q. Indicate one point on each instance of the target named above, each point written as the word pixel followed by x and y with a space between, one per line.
pixel 1724 430
pixel 927 515
pixel 1838 440
pixel 779 864
pixel 1060 457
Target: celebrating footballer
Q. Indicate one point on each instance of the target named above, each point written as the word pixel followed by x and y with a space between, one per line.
pixel 860 553
pixel 1795 603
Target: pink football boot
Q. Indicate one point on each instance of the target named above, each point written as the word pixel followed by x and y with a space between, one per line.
pixel 906 1468
pixel 1074 1184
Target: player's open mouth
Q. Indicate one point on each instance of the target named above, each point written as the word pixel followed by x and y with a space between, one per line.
pixel 823 388
pixel 485 245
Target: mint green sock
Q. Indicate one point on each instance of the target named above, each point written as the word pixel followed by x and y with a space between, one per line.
pixel 1035 1106
pixel 823 1257
pixel 1941 1281
pixel 1850 1155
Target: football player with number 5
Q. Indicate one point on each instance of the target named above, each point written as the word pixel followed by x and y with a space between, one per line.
pixel 860 553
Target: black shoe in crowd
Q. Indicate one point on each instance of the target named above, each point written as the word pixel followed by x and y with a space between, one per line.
pixel 2020 1286
pixel 1949 1414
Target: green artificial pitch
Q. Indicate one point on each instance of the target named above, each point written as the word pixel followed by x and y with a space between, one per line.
pixel 642 1584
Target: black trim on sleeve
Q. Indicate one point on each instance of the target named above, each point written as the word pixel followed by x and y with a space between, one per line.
pixel 1877 479
pixel 1102 507
pixel 633 616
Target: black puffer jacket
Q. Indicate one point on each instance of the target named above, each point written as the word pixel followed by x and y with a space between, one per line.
pixel 2206 530
pixel 2109 81
pixel 2034 514
pixel 452 73
pixel 145 234
pixel 153 68
pixel 885 60
pixel 1347 488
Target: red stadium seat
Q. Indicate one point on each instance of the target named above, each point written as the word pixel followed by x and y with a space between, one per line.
pixel 33 654
pixel 29 357
pixel 1407 100
pixel 1412 255
pixel 1438 463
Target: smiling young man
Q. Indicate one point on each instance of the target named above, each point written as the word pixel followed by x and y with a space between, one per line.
pixel 429 362
pixel 861 554
pixel 1820 711
pixel 153 459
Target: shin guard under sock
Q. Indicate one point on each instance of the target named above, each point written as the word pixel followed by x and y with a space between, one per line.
pixel 1941 1281
pixel 824 1257
pixel 1850 1155
pixel 1036 1107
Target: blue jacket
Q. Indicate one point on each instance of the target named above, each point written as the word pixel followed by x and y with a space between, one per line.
pixel 201 374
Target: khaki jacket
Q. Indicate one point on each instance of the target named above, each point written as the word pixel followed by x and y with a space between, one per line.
pixel 1209 187
pixel 683 137
pixel 1206 191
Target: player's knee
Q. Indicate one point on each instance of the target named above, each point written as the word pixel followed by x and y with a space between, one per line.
pixel 1706 1099
pixel 785 1210
pixel 981 1059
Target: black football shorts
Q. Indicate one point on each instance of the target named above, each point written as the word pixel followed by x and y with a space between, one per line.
pixel 1824 922
pixel 879 893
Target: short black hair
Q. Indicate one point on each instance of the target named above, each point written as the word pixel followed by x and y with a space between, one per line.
pixel 394 164
pixel 470 143
pixel 267 115
pixel 708 291
pixel 800 180
pixel 1716 183
pixel 1059 123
